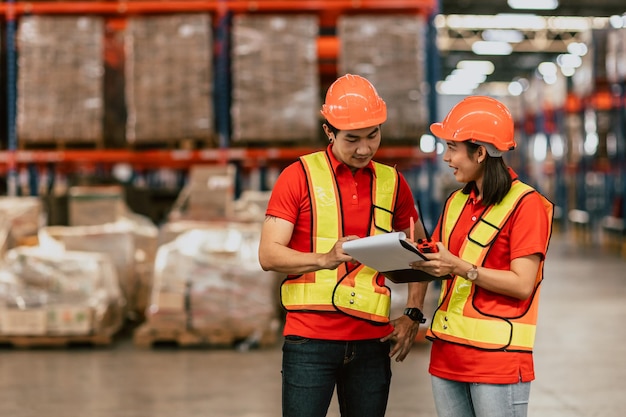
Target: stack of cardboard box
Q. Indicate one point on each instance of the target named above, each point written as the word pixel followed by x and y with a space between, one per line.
pixel 60 79
pixel 169 81
pixel 275 85
pixel 390 51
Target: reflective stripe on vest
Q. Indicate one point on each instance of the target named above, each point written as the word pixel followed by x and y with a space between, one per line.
pixel 456 319
pixel 356 293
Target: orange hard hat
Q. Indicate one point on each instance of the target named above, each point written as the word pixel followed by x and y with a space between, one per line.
pixel 353 103
pixel 483 120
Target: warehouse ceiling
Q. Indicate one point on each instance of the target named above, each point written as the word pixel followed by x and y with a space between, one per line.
pixel 457 32
pixel 565 7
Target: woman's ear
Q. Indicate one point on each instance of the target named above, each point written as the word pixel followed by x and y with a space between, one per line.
pixel 480 154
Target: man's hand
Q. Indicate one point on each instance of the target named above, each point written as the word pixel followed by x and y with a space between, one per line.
pixel 336 255
pixel 402 337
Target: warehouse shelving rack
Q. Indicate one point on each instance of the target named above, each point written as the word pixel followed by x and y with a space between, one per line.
pixel 15 158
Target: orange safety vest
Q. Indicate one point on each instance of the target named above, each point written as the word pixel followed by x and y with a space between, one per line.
pixel 355 292
pixel 457 320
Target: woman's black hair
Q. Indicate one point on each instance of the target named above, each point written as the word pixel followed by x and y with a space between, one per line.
pixel 496 178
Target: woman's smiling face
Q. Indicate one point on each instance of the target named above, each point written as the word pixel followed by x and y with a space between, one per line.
pixel 465 167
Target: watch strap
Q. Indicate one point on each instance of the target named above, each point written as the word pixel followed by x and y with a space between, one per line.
pixel 415 314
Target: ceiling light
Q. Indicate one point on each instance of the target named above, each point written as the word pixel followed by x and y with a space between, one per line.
pixel 547 68
pixel 540 147
pixel 521 21
pixel 550 79
pixel 616 22
pixel 556 145
pixel 533 4
pixel 491 48
pixel 503 35
pixel 567 71
pixel 500 21
pixel 483 67
pixel 515 88
pixel 569 60
pixel 454 88
pixel 468 74
pixel 577 48
pixel 428 143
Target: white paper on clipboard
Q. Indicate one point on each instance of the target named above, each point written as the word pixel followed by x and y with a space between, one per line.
pixel 386 252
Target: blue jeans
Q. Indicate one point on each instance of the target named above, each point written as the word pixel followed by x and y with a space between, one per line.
pixel 361 371
pixel 463 399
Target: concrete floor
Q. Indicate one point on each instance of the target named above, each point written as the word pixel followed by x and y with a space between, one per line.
pixel 580 363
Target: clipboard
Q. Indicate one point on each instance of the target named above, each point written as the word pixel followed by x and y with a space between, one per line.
pixel 390 254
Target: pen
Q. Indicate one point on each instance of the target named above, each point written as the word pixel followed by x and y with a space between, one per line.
pixel 412 230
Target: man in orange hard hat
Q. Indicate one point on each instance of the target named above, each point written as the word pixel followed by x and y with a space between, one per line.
pixel 337 329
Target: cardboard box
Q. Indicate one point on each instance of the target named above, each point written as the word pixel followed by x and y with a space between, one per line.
pixel 209 194
pixel 169 73
pixel 30 322
pixel 93 205
pixel 389 51
pixel 275 92
pixel 60 79
pixel 69 320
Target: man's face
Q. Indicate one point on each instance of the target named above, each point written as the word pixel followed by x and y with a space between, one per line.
pixel 356 148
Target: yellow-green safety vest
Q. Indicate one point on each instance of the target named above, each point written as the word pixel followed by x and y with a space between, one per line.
pixel 456 319
pixel 356 293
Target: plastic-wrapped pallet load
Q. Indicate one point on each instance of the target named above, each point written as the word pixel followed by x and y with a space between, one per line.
pixel 208 284
pixel 389 51
pixel 275 82
pixel 61 293
pixel 169 88
pixel 60 79
pixel 130 243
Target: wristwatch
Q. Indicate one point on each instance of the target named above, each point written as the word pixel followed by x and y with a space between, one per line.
pixel 472 273
pixel 415 314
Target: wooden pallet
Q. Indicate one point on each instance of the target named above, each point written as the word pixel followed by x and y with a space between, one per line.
pixel 147 336
pixel 173 144
pixel 29 342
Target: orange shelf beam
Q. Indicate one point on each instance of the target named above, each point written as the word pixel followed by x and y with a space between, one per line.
pixel 327 48
pixel 142 7
pixel 178 158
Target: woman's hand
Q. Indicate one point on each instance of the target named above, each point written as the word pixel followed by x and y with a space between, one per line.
pixel 439 263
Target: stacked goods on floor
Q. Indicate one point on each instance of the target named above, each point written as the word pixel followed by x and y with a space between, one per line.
pixel 390 52
pixel 20 220
pixel 209 289
pixel 208 195
pixel 275 82
pixel 251 206
pixel 60 80
pixel 130 243
pixel 169 86
pixel 62 293
pixel 91 205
